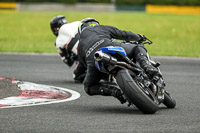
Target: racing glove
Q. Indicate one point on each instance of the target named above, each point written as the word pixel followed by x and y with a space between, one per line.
pixel 69 58
pixel 142 38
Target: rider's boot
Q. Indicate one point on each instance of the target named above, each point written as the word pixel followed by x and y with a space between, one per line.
pixel 146 65
pixel 113 91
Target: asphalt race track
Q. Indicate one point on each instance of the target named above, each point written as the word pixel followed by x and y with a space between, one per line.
pixel 97 114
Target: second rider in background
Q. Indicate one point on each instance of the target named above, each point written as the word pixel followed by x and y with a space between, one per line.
pixel 67 42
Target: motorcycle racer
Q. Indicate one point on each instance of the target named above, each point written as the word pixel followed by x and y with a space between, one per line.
pixel 94 36
pixel 67 42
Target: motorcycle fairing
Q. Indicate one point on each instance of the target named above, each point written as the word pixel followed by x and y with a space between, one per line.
pixel 99 66
pixel 109 49
pixel 113 50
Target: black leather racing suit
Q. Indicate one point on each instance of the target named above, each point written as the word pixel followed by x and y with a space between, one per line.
pixel 93 38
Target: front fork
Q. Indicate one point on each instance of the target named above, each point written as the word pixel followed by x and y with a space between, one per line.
pixel 158 81
pixel 157 85
pixel 160 85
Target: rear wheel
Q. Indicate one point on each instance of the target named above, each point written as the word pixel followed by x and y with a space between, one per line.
pixel 141 97
pixel 169 101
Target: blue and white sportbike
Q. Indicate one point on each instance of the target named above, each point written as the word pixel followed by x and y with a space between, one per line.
pixel 140 89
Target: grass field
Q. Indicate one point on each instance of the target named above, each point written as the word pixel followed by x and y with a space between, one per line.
pixel 173 35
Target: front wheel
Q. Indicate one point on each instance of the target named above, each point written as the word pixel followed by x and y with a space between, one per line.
pixel 169 101
pixel 135 93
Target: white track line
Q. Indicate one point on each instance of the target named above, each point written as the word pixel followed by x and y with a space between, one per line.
pixel 28 101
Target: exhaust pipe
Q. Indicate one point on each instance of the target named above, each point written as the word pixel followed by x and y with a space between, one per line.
pixel 100 56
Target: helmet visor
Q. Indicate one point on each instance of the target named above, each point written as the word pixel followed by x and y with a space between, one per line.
pixel 55 31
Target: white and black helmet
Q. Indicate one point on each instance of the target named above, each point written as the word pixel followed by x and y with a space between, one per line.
pixel 57 22
pixel 87 22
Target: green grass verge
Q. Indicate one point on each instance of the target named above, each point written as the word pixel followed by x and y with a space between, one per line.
pixel 173 35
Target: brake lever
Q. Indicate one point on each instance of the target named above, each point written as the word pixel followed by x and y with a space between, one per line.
pixel 148 42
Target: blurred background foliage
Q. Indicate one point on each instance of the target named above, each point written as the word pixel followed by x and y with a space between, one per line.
pixel 173 35
pixel 132 2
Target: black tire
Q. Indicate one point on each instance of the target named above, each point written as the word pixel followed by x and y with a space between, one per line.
pixel 135 94
pixel 169 101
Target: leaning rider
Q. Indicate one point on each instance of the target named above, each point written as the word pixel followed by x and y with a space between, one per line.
pixel 67 42
pixel 94 36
